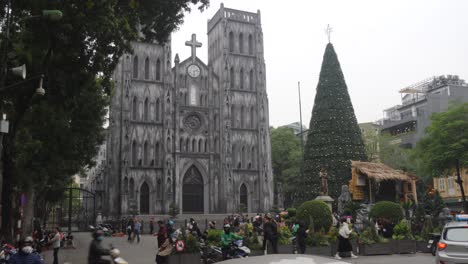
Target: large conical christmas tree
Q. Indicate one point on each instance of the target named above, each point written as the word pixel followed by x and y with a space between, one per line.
pixel 334 137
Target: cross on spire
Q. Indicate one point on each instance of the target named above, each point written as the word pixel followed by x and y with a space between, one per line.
pixel 194 44
pixel 328 31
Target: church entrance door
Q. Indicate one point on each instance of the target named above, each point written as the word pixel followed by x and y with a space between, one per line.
pixel 144 199
pixel 192 191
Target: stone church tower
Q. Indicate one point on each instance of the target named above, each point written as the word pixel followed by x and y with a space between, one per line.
pixel 194 134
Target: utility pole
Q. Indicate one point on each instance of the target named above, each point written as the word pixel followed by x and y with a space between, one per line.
pixel 301 133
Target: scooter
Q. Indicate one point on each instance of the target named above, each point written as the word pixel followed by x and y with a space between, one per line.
pixel 433 241
pixel 115 256
pixel 6 252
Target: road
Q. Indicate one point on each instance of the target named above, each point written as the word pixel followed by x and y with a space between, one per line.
pixel 145 253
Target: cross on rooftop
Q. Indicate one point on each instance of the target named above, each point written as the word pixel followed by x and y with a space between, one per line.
pixel 194 44
pixel 328 31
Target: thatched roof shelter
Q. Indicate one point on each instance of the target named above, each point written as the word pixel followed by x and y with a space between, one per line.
pixel 379 171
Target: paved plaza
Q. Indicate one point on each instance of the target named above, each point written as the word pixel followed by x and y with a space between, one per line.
pixel 145 253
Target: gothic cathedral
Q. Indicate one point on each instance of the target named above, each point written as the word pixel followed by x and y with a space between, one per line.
pixel 192 134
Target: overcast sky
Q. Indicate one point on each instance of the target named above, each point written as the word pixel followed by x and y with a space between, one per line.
pixel 382 46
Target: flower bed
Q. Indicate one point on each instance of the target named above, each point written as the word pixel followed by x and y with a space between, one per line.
pixel 375 249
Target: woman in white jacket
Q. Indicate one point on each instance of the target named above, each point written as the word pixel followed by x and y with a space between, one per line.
pixel 344 245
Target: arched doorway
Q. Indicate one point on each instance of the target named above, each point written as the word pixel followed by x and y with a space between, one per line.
pixel 243 199
pixel 192 191
pixel 144 198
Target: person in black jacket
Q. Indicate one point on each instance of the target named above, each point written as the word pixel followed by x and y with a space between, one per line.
pixel 96 250
pixel 301 238
pixel 270 233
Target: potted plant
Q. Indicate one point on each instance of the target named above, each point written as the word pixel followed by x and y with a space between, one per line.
pixel 317 244
pixel 284 241
pixel 405 242
pixel 191 253
pixel 370 243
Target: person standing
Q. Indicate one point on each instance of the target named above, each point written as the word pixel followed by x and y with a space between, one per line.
pixel 164 250
pixel 137 230
pixel 270 231
pixel 56 244
pixel 301 236
pixel 162 232
pixel 344 245
pixel 151 226
pixel 130 226
pixel 24 255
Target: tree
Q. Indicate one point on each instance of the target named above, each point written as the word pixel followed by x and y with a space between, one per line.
pixel 445 146
pixel 286 158
pixel 52 137
pixel 334 137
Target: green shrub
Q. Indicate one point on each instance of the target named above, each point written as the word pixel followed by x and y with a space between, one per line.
pixel 427 229
pixel 315 213
pixel 292 212
pixel 387 210
pixel 370 236
pixel 191 245
pixel 402 230
pixel 317 239
pixel 284 236
pixel 214 237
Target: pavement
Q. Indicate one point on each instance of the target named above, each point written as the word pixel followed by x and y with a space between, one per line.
pixel 145 253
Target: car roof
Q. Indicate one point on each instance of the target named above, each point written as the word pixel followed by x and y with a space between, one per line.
pixel 456 224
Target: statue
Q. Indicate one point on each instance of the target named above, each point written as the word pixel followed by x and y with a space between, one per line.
pixel 343 199
pixel 445 216
pixel 323 182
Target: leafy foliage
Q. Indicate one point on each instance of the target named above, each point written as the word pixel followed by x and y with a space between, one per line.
pixel 370 236
pixel 317 239
pixel 402 230
pixel 214 237
pixel 191 244
pixel 387 210
pixel 284 236
pixel 318 211
pixel 334 137
pixel 352 208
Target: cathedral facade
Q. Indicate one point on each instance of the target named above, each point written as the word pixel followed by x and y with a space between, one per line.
pixel 192 134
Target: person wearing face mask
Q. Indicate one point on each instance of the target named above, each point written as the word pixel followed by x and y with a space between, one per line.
pixel 96 250
pixel 25 254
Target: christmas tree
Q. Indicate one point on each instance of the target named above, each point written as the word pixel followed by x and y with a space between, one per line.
pixel 334 137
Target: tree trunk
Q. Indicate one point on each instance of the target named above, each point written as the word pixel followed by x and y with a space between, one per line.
pixel 7 189
pixel 28 216
pixel 462 190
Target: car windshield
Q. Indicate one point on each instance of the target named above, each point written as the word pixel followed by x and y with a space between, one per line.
pixel 457 234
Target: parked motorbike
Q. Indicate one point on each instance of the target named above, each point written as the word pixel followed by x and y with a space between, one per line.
pixel 212 254
pixel 433 241
pixel 6 251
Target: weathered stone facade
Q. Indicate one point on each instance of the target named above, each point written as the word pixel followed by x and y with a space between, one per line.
pixel 193 134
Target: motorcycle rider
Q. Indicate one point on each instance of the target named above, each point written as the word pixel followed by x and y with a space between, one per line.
pixel 25 255
pixel 96 250
pixel 226 239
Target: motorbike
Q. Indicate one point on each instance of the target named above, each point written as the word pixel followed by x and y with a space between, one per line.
pixel 213 254
pixel 115 256
pixel 6 251
pixel 433 241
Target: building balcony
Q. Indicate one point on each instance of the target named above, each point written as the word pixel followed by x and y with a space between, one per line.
pixel 387 123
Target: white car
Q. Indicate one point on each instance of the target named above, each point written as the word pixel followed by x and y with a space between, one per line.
pixel 453 244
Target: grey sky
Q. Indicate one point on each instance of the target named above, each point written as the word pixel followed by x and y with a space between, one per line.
pixel 382 46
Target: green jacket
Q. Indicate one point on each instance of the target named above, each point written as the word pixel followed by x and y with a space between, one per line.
pixel 226 239
pixel 294 229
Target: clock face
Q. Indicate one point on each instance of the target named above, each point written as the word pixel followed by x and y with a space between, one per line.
pixel 193 71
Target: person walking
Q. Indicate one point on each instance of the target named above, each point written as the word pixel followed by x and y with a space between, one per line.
pixel 162 232
pixel 301 236
pixel 164 250
pixel 270 231
pixel 344 245
pixel 55 241
pixel 130 225
pixel 24 255
pixel 151 226
pixel 137 230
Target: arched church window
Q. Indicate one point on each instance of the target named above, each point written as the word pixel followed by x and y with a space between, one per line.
pixel 231 42
pixel 134 108
pixel 243 195
pixel 241 43
pixel 216 122
pixel 134 153
pixel 206 146
pixel 232 78
pixel 132 188
pixel 146 105
pixel 159 189
pixel 168 144
pixel 201 100
pixel 251 80
pixel 144 198
pixel 146 68
pixel 158 70
pixel 194 145
pixel 135 67
pixel 181 144
pixel 200 145
pixel 125 185
pixel 187 145
pixel 145 154
pixel 242 117
pixel 193 95
pixel 252 117
pixel 157 109
pixel 233 116
pixel 243 157
pixel 254 157
pixel 250 44
pixel 241 79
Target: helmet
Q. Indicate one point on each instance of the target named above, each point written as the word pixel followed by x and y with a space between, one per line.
pixel 98 233
pixel 171 222
pixel 227 226
pixel 28 239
